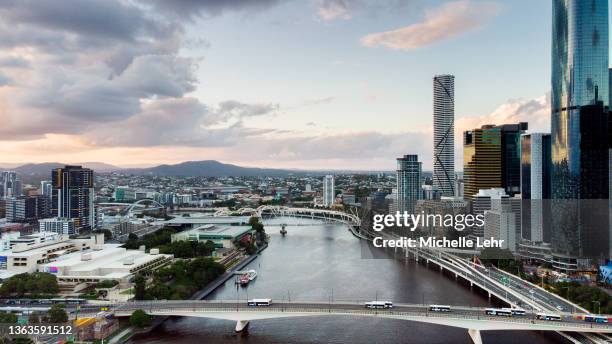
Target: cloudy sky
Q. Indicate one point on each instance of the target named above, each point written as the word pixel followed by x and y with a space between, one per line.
pixel 334 84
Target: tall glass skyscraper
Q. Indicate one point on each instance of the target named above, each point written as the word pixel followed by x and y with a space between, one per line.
pixel 444 134
pixel 579 128
pixel 408 182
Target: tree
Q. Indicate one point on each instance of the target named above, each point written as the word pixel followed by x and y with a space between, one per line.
pixel 251 249
pixel 29 284
pixel 204 249
pixel 140 318
pixel 57 314
pixel 8 318
pixel 139 287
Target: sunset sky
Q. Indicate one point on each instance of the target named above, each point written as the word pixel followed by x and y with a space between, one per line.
pixel 314 84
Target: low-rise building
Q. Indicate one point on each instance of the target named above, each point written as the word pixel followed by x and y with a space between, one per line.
pixel 59 225
pixel 222 235
pixel 102 263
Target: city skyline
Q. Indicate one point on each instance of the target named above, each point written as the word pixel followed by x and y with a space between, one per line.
pixel 332 100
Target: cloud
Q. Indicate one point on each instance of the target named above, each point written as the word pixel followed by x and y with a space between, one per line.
pixel 14 62
pixel 441 23
pixel 181 122
pixel 334 9
pixel 535 111
pixel 208 8
pixel 5 80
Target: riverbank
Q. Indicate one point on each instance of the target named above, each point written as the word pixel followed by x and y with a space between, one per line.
pixel 129 332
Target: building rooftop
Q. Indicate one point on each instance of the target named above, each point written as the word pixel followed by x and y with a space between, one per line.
pixel 217 231
pixel 202 220
pixel 108 260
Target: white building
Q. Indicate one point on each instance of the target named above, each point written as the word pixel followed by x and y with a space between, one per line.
pixel 486 199
pixel 535 183
pixel 102 263
pixel 329 192
pixel 58 225
pixel 28 253
pixel 500 224
pixel 8 240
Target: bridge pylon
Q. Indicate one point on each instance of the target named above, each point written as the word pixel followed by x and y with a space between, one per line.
pixel 241 325
pixel 475 335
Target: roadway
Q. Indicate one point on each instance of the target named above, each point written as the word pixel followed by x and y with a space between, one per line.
pixel 465 317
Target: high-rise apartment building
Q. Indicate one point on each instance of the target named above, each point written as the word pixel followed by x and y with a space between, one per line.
pixel 579 131
pixel 73 195
pixel 444 134
pixel 408 176
pixel 329 191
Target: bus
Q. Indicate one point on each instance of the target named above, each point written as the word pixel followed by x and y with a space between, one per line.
pixel 379 304
pixel 517 311
pixel 595 319
pixel 549 317
pixel 504 312
pixel 259 302
pixel 439 308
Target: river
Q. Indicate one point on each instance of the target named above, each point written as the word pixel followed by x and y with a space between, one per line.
pixel 324 262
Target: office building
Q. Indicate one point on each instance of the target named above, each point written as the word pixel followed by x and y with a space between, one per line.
pixel 408 176
pixel 444 134
pixel 484 200
pixel 500 224
pixel 73 196
pixel 535 186
pixel 46 189
pixel 329 191
pixel 481 160
pixel 511 156
pixel 491 158
pixel 579 132
pixel 27 209
pixel 10 184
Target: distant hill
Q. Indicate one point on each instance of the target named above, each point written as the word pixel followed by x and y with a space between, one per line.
pixel 206 168
pixel 44 169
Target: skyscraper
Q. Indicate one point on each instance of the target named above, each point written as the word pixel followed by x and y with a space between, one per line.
pixel 492 158
pixel 511 156
pixel 408 176
pixel 579 130
pixel 10 184
pixel 73 195
pixel 535 186
pixel 444 134
pixel 481 160
pixel 329 192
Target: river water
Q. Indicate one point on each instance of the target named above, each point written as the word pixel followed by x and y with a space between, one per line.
pixel 324 262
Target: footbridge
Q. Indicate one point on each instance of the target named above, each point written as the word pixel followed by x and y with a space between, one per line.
pixel 472 319
pixel 312 213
